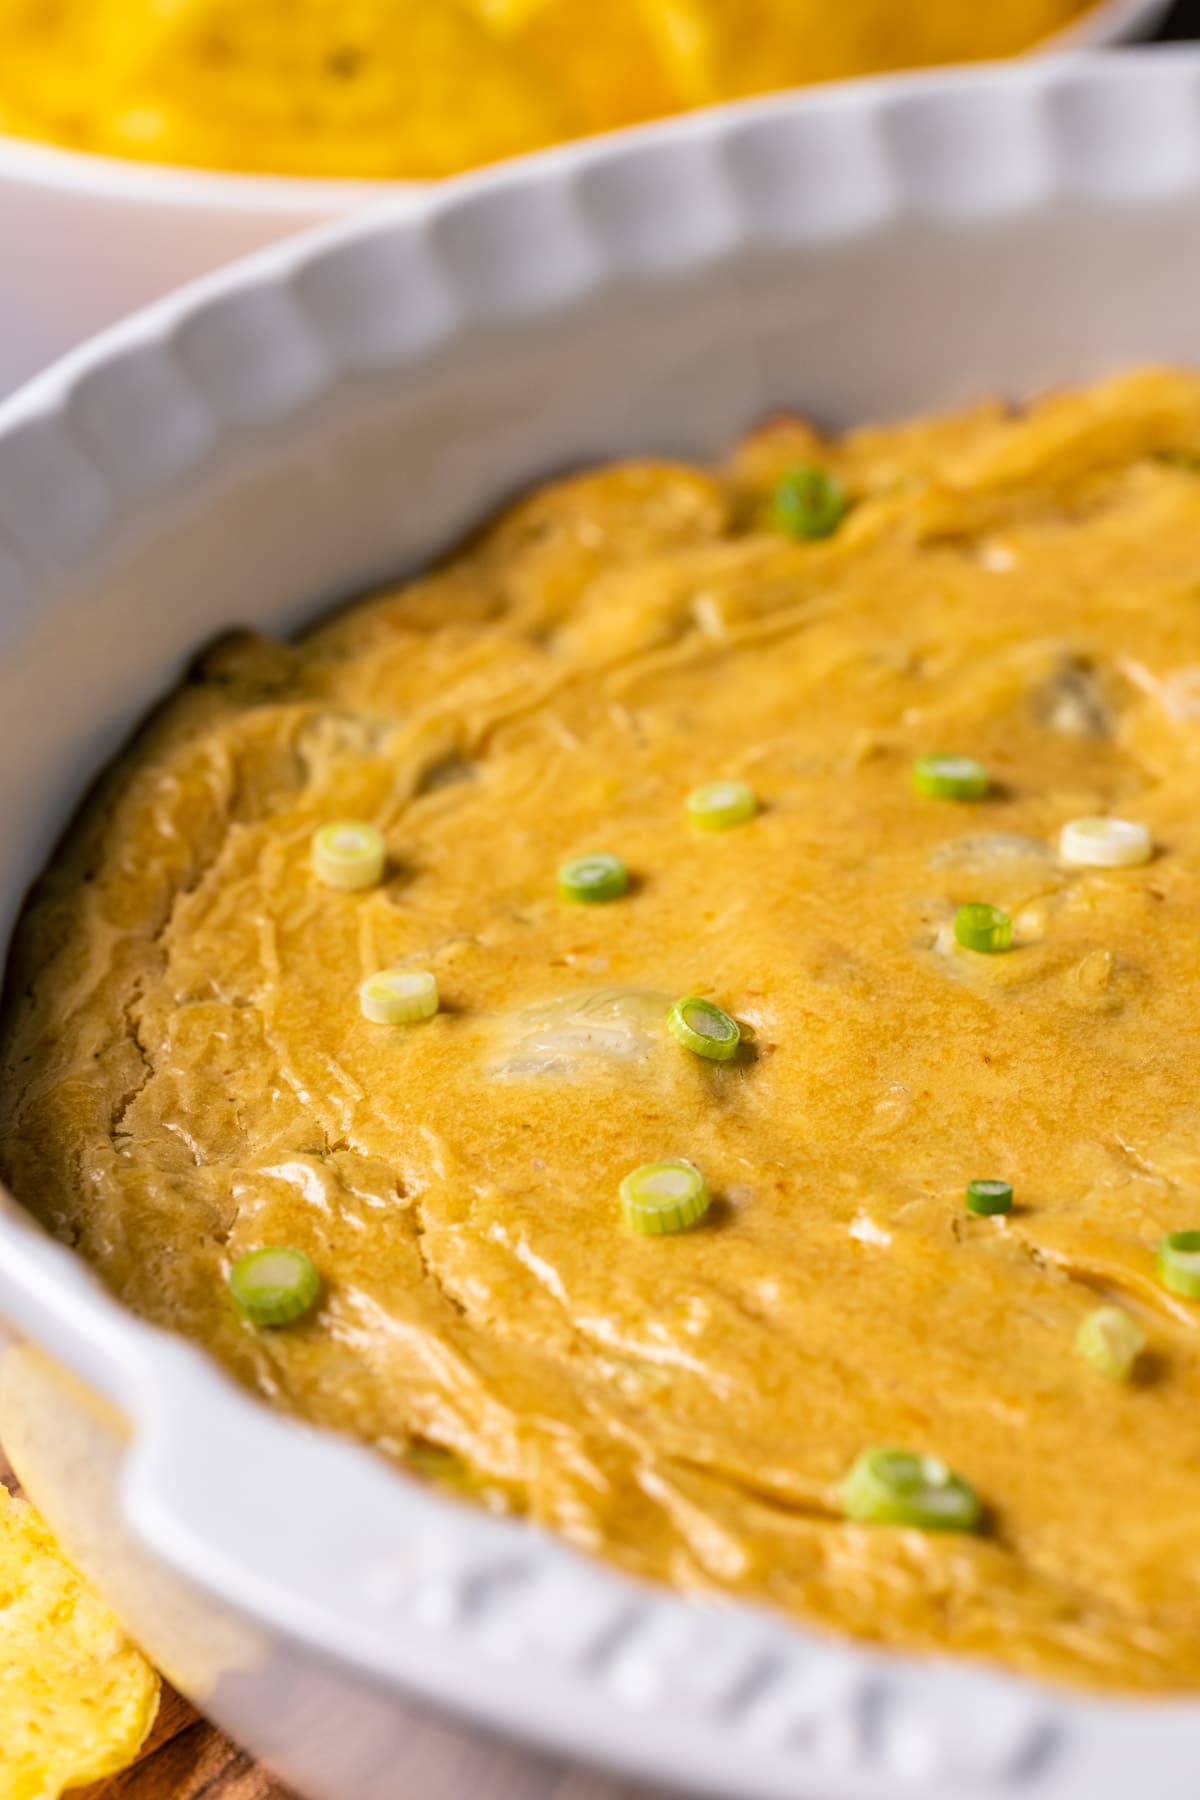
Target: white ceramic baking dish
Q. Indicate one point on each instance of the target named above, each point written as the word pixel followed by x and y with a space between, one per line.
pixel 336 411
pixel 85 239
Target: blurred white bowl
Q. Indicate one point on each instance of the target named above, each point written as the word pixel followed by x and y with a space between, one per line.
pixel 88 239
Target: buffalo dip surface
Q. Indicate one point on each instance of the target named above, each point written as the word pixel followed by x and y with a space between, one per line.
pixel 682 1024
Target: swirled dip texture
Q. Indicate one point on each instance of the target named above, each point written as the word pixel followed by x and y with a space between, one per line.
pixel 187 1074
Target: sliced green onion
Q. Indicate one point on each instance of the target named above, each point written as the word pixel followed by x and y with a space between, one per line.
pixel 989 1197
pixel 435 1463
pixel 950 777
pixel 1104 844
pixel 1179 1263
pixel 399 996
pixel 983 928
pixel 590 879
pixel 661 1197
pixel 704 1029
pixel 896 1487
pixel 720 804
pixel 349 853
pixel 274 1286
pixel 809 503
pixel 1111 1341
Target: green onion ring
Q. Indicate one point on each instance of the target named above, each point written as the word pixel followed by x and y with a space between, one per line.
pixel 1111 1341
pixel 276 1285
pixel 809 503
pixel 592 879
pixel 399 996
pixel 897 1487
pixel 349 854
pixel 989 1197
pixel 704 1028
pixel 946 777
pixel 719 805
pixel 983 928
pixel 1179 1263
pixel 664 1197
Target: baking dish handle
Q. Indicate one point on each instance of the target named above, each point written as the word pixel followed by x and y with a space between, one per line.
pixel 48 1295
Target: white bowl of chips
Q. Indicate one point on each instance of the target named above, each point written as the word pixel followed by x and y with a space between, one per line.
pixel 259 447
pixel 87 238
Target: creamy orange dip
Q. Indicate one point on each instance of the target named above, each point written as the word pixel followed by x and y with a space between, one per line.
pixel 424 88
pixel 188 1076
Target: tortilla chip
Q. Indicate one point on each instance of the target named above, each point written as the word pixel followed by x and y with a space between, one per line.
pixel 76 1699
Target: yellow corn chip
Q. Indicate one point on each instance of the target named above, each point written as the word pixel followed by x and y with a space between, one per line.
pixel 76 1698
pixel 423 88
